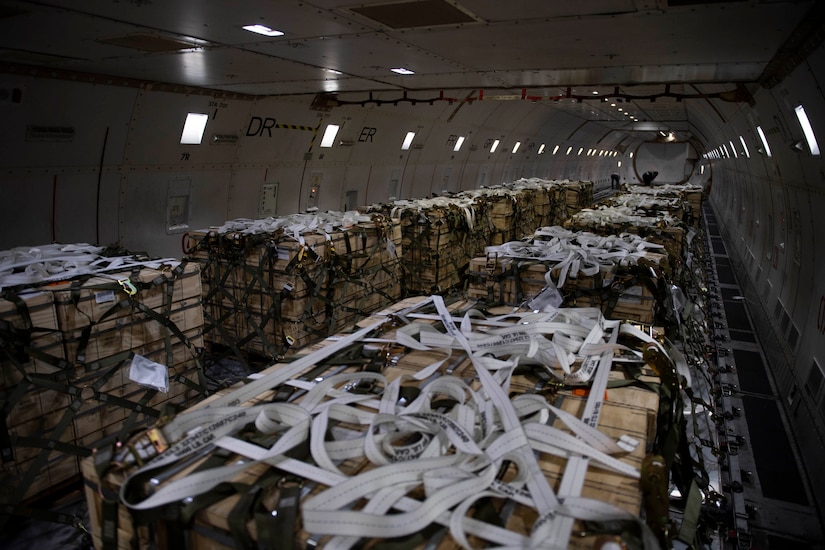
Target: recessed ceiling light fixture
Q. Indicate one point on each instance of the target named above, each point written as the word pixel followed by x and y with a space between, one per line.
pixel 494 146
pixel 262 29
pixel 402 70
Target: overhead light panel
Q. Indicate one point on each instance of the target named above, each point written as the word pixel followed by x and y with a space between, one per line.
pixel 262 29
pixel 408 141
pixel 458 144
pixel 541 149
pixel 494 146
pixel 580 150
pixel 568 150
pixel 764 140
pixel 329 135
pixel 555 149
pixel 402 70
pixel 735 154
pixel 516 146
pixel 193 129
pixel 808 130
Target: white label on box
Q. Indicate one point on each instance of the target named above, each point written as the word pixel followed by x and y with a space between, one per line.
pixel 105 296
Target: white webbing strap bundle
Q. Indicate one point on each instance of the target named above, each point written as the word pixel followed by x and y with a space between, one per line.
pixel 618 215
pixel 454 452
pixel 28 266
pixel 574 253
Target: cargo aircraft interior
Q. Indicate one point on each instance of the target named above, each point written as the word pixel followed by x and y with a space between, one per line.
pixel 425 274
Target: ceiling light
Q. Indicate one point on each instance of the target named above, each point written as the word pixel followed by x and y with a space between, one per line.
pixel 516 146
pixel 402 70
pixel 555 149
pixel 595 92
pixel 764 140
pixel 541 149
pixel 620 109
pixel 458 144
pixel 193 128
pixel 619 164
pixel 262 29
pixel 568 150
pixel 813 146
pixel 735 154
pixel 407 141
pixel 329 135
pixel 580 150
pixel 494 146
pixel 333 71
pixel 612 104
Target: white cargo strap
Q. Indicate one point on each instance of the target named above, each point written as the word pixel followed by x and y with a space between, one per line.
pixel 454 454
pixel 30 266
pixel 573 253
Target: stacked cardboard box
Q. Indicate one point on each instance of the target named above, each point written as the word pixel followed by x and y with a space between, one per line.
pixel 578 195
pixel 442 234
pixel 281 283
pixel 438 237
pixel 66 356
pixel 32 345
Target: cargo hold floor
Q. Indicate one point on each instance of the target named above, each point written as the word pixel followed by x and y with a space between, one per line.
pixel 765 477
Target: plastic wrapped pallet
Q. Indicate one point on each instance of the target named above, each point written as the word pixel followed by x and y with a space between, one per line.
pixel 78 323
pixel 277 284
pixel 400 447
